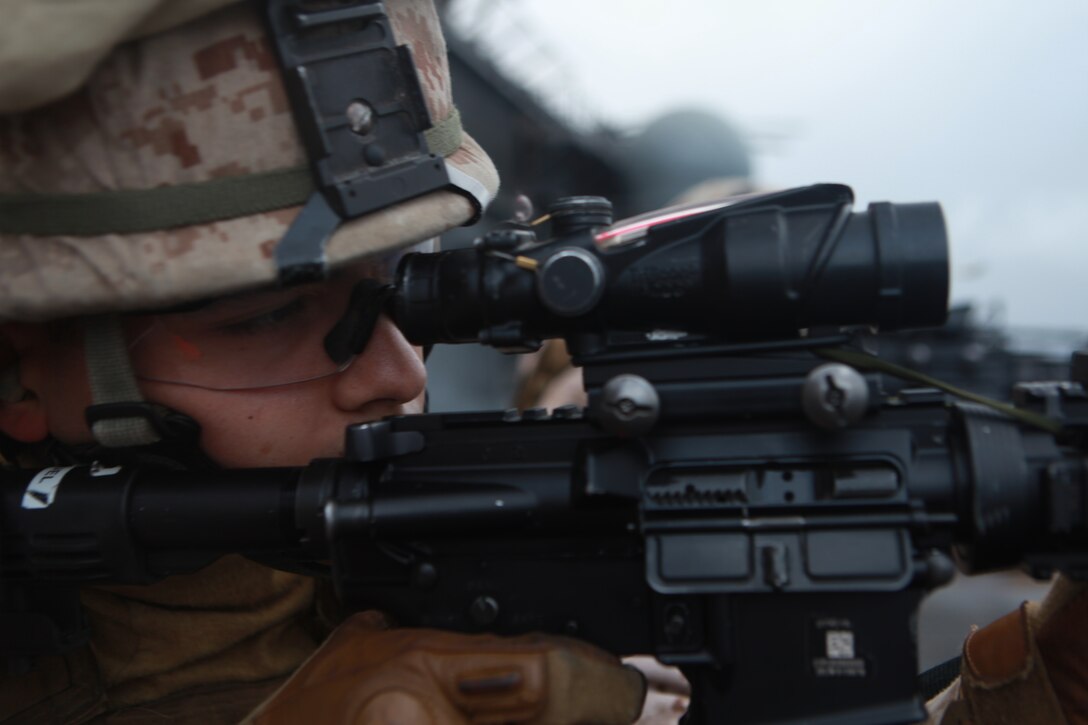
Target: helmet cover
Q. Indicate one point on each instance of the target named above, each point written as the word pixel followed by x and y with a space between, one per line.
pixel 197 102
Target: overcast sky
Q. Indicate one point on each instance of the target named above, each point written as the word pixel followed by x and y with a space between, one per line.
pixel 981 105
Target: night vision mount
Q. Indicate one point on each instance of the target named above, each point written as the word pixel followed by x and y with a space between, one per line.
pixel 360 111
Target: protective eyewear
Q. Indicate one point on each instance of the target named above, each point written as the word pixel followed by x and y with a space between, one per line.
pixel 268 339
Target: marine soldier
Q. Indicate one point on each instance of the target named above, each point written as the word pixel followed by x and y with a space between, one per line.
pixel 163 297
pixel 151 170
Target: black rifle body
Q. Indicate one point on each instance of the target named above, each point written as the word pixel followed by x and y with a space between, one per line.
pixel 760 556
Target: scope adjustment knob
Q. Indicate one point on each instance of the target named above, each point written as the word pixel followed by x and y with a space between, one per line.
pixel 573 214
pixel 570 282
pixel 834 395
pixel 629 406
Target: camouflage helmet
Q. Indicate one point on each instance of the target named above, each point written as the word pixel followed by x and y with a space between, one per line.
pixel 170 101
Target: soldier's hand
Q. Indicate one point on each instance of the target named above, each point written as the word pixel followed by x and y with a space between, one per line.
pixel 1030 666
pixel 668 693
pixel 366 673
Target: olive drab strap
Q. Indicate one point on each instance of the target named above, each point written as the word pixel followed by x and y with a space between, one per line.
pixel 360 111
pixel 131 211
pixel 447 135
pixel 115 394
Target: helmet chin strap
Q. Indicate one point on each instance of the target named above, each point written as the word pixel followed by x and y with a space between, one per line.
pixel 113 385
pixel 126 428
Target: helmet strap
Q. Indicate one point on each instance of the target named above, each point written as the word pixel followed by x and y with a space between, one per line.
pixel 117 417
pixel 179 452
pixel 127 429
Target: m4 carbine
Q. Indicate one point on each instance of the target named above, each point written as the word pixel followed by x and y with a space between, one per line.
pixel 729 501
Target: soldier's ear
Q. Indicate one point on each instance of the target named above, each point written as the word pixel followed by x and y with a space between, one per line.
pixel 22 415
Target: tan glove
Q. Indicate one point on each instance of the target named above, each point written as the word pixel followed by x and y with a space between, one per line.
pixel 366 673
pixel 1062 635
pixel 1031 666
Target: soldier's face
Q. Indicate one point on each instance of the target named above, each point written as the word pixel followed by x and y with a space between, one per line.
pixel 278 425
pixel 291 424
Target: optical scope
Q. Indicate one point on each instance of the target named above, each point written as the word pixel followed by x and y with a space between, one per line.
pixel 758 267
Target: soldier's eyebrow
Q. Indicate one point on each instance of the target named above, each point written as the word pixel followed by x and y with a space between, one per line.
pixel 245 304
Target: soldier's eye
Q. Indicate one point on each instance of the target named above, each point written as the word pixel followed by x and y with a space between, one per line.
pixel 266 321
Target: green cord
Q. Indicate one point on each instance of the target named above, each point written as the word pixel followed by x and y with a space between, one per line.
pixel 865 361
